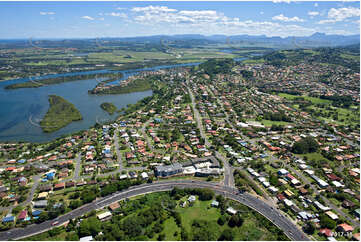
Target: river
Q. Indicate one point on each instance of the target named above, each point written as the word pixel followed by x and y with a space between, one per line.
pixel 22 109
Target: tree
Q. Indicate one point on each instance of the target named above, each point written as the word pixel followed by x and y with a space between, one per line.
pixel 227 235
pixel 87 196
pixel 17 209
pixel 305 145
pixel 235 220
pixel 90 226
pixel 161 237
pixel 132 227
pixel 309 228
pixel 274 180
pixel 221 220
pixel 327 222
pixel 75 204
pixel 204 230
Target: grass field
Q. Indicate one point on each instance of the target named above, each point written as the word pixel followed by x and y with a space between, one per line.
pixel 170 228
pixel 314 100
pixel 270 122
pixel 200 209
pixel 344 116
pixel 313 156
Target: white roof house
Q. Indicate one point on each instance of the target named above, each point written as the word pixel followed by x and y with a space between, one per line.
pixel 273 189
pixel 283 172
pixel 104 215
pixel 86 238
pixel 231 210
pixel 320 206
pixel 295 182
pixel 144 175
pixel 124 176
pixel 215 203
pixel 191 198
pixel 331 215
pixel 288 202
pixel 261 179
pixel 337 184
pixel 310 172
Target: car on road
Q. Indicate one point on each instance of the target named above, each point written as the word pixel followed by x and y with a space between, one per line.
pixel 55 223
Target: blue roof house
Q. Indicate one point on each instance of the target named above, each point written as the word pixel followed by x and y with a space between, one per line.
pixel 8 219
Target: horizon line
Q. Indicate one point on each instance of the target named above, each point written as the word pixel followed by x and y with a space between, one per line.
pixel 140 36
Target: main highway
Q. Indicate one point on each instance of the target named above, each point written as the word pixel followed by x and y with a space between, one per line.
pixel 271 213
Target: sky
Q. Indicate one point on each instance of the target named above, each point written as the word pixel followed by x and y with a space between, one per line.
pixel 126 19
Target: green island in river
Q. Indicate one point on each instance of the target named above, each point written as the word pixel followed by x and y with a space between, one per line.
pixel 137 85
pixel 60 113
pixel 110 108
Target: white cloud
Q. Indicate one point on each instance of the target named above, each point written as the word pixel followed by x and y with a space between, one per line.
pixel 313 13
pixel 114 14
pixel 316 5
pixel 283 18
pixel 47 13
pixel 281 1
pixel 261 12
pixel 153 9
pixel 121 8
pixel 340 14
pixel 327 21
pixel 87 17
pixel 177 17
pixel 101 19
pixel 173 21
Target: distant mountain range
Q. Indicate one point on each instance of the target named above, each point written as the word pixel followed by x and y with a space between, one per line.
pixel 315 40
pixel 186 40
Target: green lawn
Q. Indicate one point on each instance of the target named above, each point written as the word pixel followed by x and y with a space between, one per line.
pixel 200 209
pixel 313 156
pixel 170 227
pixel 314 100
pixel 270 123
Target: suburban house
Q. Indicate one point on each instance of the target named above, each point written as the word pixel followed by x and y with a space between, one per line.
pixel 231 211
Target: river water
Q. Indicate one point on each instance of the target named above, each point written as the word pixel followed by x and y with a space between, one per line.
pixel 22 109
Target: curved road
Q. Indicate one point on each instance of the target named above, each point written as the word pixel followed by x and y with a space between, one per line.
pixel 266 210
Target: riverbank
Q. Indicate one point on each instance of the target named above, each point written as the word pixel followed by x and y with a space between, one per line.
pixel 60 114
pixel 61 79
pixel 137 85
